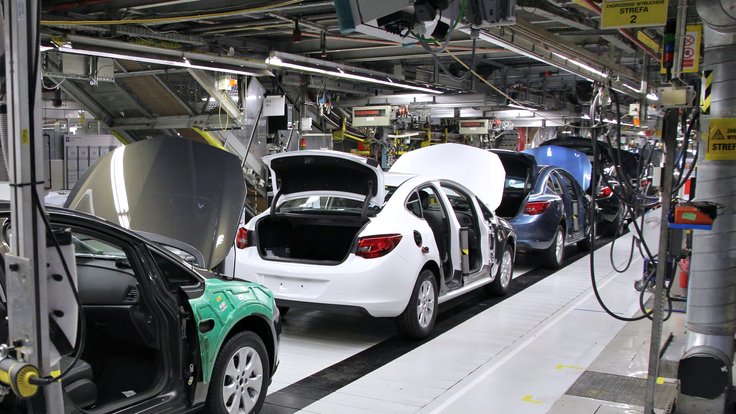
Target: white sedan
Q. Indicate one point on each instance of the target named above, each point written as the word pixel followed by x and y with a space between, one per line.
pixel 342 234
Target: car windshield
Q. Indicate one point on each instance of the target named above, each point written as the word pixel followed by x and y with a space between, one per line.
pixel 515 183
pixel 325 204
pixel 91 247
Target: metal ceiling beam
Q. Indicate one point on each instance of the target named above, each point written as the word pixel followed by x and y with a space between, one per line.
pixel 612 39
pixel 168 122
pixel 257 66
pixel 518 42
pixel 135 31
pixel 208 83
pixel 90 104
pixel 155 72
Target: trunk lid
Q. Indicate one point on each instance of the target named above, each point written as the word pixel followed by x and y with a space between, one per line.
pixel 176 188
pixel 575 162
pixel 480 171
pixel 326 171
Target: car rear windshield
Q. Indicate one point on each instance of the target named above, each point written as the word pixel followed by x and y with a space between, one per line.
pixel 325 204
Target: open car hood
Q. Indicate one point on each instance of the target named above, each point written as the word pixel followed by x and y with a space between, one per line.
pixel 180 189
pixel 479 170
pixel 325 171
pixel 573 161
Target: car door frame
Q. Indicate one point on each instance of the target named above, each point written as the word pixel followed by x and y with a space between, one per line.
pixel 166 394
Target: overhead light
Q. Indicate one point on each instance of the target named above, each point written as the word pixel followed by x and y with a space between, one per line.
pixel 513 105
pixel 652 96
pixel 182 63
pixel 582 65
pixel 321 67
pixel 631 87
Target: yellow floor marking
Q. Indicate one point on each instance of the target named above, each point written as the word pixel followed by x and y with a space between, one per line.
pixel 530 399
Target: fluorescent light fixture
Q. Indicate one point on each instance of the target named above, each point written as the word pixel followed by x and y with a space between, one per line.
pixel 582 65
pixel 631 87
pixel 340 73
pixel 513 105
pixel 183 63
pixel 652 96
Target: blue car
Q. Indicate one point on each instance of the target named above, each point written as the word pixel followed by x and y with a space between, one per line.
pixel 546 206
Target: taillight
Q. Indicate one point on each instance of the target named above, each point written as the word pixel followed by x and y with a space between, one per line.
pixel 377 246
pixel 241 240
pixel 605 192
pixel 536 207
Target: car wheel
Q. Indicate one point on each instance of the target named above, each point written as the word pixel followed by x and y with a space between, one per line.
pixel 240 377
pixel 283 310
pixel 418 318
pixel 556 252
pixel 500 284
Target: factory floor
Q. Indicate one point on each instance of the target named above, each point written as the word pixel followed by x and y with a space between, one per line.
pixel 546 347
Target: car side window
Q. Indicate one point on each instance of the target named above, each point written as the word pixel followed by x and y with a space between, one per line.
pixel 430 201
pixel 568 185
pixel 173 274
pixel 554 185
pixel 414 205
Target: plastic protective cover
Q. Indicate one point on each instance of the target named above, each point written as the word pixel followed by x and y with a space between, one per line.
pixel 480 171
pixel 573 161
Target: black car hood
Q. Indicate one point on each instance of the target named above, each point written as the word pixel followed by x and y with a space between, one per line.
pixel 180 189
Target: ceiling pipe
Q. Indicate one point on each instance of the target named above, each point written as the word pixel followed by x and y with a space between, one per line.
pixel 597 10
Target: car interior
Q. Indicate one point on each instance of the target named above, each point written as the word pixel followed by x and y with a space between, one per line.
pixel 121 357
pixel 121 343
pixel 467 216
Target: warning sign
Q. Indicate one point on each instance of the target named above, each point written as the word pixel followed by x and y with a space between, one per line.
pixel 690 49
pixel 721 139
pixel 706 90
pixel 633 13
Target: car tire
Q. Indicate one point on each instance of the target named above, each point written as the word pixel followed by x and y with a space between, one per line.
pixel 240 377
pixel 283 310
pixel 500 284
pixel 553 256
pixel 418 318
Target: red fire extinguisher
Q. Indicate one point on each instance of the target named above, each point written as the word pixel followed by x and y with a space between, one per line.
pixel 684 272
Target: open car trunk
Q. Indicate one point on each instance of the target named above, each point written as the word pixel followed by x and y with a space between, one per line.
pixel 323 240
pixel 521 174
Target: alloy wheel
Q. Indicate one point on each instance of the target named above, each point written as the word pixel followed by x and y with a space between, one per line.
pixel 243 382
pixel 425 303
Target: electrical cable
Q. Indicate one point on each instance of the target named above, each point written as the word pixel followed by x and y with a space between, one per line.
pixel 592 234
pixel 161 20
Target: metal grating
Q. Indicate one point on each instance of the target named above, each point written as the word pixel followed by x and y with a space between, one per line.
pixel 621 389
pixel 109 96
pixel 152 96
pixel 187 89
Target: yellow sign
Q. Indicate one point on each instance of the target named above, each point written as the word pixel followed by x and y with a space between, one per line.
pixel 690 49
pixel 721 140
pixel 648 41
pixel 633 13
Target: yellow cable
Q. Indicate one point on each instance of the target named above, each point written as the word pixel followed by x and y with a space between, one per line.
pixel 169 19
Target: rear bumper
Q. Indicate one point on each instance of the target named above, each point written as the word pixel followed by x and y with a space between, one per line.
pixel 380 287
pixel 534 232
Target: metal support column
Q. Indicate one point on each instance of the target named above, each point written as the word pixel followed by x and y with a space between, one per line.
pixel 669 138
pixel 704 371
pixel 26 265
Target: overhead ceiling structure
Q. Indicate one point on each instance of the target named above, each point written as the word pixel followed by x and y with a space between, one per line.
pixel 152 64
